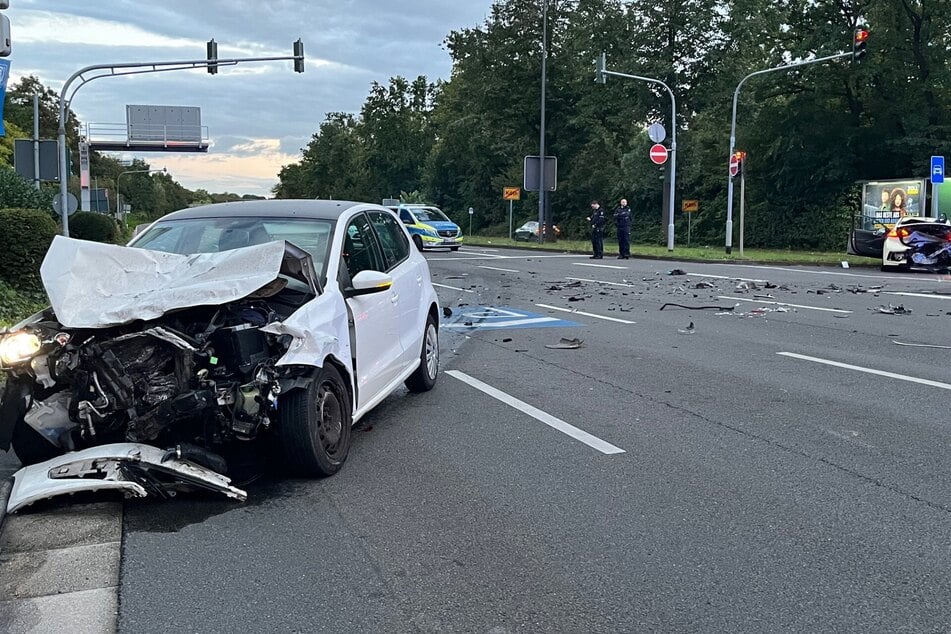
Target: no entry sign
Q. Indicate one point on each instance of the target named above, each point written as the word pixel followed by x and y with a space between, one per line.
pixel 658 154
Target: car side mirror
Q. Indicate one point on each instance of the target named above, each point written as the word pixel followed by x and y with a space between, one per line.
pixel 367 283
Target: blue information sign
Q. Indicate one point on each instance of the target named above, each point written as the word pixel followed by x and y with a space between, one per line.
pixel 937 169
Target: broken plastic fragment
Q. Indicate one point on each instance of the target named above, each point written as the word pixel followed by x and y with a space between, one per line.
pixel 566 344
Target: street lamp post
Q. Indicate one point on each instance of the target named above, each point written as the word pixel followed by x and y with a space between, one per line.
pixel 603 71
pixel 736 96
pixel 97 71
pixel 542 194
pixel 119 193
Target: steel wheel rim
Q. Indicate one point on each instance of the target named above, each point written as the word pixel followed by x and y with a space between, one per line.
pixel 330 423
pixel 432 351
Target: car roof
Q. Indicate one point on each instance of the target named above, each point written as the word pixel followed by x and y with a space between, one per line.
pixel 284 208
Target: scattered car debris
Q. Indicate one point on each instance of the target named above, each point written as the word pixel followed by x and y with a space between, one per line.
pixel 845 264
pixel 689 330
pixel 576 298
pixel 891 309
pixel 920 345
pixel 763 296
pixel 446 312
pixel 676 272
pixel 702 285
pixel 566 344
pixel 720 308
pixel 507 340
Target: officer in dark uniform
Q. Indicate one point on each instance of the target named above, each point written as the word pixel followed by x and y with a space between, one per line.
pixel 622 218
pixel 597 220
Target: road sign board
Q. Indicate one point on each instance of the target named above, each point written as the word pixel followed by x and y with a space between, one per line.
pixel 499 318
pixel 690 206
pixel 734 165
pixel 937 170
pixel 49 159
pixel 71 204
pixel 511 193
pixel 656 133
pixel 658 154
pixel 530 174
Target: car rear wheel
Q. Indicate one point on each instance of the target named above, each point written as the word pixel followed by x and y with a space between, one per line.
pixel 315 424
pixel 418 242
pixel 424 378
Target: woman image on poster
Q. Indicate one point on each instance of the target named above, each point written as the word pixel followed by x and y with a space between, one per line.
pixel 898 202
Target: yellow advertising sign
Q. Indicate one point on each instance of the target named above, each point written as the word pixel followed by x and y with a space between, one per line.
pixel 511 193
pixel 690 206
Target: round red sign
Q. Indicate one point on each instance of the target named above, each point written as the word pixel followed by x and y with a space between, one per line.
pixel 734 165
pixel 658 154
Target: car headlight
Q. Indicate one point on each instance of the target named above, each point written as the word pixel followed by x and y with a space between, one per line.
pixel 18 347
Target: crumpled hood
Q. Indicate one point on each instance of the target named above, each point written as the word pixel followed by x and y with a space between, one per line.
pixel 93 285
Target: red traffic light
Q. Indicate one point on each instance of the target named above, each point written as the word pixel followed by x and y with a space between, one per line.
pixel 861 35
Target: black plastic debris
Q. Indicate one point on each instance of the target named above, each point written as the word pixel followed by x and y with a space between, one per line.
pixel 676 272
pixel 576 298
pixel 565 344
pixel 507 340
pixel 689 330
pixel 701 285
pixel 446 311
pixel 891 309
pixel 685 307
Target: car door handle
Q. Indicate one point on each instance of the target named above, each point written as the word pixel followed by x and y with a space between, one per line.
pixel 395 298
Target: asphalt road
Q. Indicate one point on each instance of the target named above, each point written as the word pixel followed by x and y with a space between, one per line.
pixel 747 489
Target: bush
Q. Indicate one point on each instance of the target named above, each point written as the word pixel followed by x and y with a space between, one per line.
pixel 16 305
pixel 89 225
pixel 24 241
pixel 19 193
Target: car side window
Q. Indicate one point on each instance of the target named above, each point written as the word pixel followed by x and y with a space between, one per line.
pixel 393 239
pixel 407 218
pixel 360 250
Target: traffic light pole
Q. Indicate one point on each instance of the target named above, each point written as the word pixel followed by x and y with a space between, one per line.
pixel 736 96
pixel 118 70
pixel 673 146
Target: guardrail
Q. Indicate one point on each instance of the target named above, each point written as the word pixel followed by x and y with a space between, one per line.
pixel 125 135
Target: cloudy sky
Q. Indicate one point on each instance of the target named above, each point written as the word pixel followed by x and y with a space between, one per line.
pixel 258 115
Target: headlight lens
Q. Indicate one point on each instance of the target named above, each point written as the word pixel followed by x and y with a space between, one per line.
pixel 18 347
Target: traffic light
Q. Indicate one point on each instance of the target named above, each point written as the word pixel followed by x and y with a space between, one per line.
pixel 859 44
pixel 298 56
pixel 212 57
pixel 740 160
pixel 601 65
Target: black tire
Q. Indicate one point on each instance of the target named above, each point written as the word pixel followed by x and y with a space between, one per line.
pixel 314 425
pixel 453 248
pixel 424 378
pixel 29 446
pixel 418 242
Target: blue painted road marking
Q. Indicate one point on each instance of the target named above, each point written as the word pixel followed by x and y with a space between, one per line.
pixel 501 317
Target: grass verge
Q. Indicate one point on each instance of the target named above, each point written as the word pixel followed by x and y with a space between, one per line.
pixel 698 254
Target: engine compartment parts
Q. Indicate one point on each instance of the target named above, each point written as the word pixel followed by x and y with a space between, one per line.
pixel 136 469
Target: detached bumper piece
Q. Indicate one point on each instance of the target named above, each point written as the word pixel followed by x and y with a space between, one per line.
pixel 137 470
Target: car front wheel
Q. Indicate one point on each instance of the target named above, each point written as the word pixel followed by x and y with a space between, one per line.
pixel 314 425
pixel 418 242
pixel 424 378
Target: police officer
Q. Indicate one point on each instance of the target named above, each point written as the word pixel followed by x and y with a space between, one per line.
pixel 622 218
pixel 597 220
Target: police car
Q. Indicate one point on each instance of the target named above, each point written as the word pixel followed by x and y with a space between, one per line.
pixel 429 227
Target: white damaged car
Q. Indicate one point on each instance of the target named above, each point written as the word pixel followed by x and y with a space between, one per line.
pixel 219 328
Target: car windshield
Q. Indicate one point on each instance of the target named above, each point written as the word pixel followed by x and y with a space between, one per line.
pixel 429 214
pixel 213 235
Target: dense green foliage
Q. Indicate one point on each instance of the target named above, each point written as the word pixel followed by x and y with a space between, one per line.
pixel 18 193
pixel 810 134
pixel 16 305
pixel 89 225
pixel 26 236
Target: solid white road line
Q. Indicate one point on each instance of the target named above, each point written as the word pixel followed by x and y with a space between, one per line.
pixel 857 368
pixel 840 274
pixel 762 301
pixel 454 288
pixel 726 277
pixel 502 324
pixel 489 256
pixel 926 295
pixel 578 312
pixel 602 266
pixel 495 268
pixel 584 279
pixel 555 423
